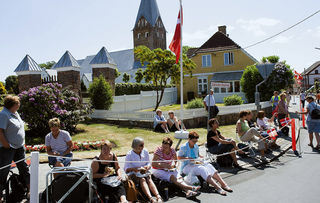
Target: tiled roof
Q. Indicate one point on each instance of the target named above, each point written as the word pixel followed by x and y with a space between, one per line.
pixel 149 10
pixel 28 64
pixel 103 57
pixel 67 60
pixel 311 68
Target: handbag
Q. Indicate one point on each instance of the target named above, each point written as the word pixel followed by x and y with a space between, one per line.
pixel 315 113
pixel 131 190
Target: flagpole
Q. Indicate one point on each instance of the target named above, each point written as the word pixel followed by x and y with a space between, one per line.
pixel 181 68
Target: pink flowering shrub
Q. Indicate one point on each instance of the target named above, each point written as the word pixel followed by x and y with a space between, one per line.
pixel 40 104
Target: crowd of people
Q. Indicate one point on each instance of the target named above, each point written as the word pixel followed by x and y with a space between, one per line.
pixel 166 161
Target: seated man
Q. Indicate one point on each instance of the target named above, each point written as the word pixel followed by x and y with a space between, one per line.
pixel 58 143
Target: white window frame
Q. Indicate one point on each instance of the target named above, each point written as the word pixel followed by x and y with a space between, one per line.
pixel 202 84
pixel 146 35
pixel 139 35
pixel 228 58
pixel 206 61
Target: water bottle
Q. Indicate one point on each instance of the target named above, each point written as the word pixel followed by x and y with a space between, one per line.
pixel 166 194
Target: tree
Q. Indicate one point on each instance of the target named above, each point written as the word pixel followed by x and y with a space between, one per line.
pixel 125 77
pixel 2 89
pixel 160 66
pixel 100 93
pixel 185 49
pixel 117 73
pixel 47 65
pixel 139 75
pixel 250 78
pixel 281 77
pixel 12 84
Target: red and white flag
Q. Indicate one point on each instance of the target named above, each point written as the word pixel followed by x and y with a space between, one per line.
pixel 272 133
pixel 175 45
pixel 285 121
pixel 297 76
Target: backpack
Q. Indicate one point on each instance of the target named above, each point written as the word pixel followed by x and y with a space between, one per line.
pixel 315 113
pixel 225 161
pixel 16 188
pixel 131 190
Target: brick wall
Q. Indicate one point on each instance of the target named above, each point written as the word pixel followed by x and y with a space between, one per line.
pixel 108 73
pixel 70 79
pixel 28 81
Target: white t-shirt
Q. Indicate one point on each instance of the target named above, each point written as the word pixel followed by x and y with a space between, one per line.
pixel 212 100
pixel 263 122
pixel 58 144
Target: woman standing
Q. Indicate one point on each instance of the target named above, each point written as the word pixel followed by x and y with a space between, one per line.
pixel 106 169
pixel 167 170
pixel 283 113
pixel 189 152
pixel 139 171
pixel 313 124
pixel 12 139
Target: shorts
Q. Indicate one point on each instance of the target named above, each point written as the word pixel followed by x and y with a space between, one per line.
pixel 64 161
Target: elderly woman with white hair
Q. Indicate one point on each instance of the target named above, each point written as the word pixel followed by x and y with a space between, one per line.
pixel 139 171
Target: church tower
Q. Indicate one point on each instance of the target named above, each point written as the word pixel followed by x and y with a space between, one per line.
pixel 149 29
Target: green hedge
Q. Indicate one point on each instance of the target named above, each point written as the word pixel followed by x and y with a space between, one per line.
pixel 133 88
pixel 232 100
pixel 195 103
pixel 2 96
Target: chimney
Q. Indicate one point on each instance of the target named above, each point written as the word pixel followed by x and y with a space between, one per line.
pixel 223 29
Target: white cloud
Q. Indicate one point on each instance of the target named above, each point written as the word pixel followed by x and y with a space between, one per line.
pixel 282 39
pixel 198 37
pixel 256 26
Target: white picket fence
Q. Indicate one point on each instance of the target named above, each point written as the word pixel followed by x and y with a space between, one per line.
pixel 144 100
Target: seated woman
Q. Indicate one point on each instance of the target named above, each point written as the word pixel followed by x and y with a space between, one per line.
pixel 189 152
pixel 105 169
pixel 249 119
pixel 218 144
pixel 58 143
pixel 264 124
pixel 160 123
pixel 173 123
pixel 167 170
pixel 250 134
pixel 139 171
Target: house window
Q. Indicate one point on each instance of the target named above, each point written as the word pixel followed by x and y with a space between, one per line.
pixel 216 90
pixel 237 86
pixel 146 35
pixel 202 86
pixel 223 90
pixel 139 35
pixel 206 60
pixel 316 72
pixel 228 58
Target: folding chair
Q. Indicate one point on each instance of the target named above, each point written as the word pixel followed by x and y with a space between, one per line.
pixel 249 143
pixel 210 156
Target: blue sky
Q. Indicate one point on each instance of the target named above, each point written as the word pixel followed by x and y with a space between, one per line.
pixel 44 29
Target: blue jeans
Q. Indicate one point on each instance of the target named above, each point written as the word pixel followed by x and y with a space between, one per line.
pixel 64 161
pixel 6 157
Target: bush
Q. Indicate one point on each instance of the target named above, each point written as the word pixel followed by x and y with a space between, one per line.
pixel 134 88
pixel 273 59
pixel 12 84
pixel 39 104
pixel 195 103
pixel 100 93
pixel 250 78
pixel 233 100
pixel 1 99
pixel 2 89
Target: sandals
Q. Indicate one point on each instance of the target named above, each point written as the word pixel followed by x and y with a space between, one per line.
pixel 153 200
pixel 227 188
pixel 159 199
pixel 191 193
pixel 221 192
pixel 195 188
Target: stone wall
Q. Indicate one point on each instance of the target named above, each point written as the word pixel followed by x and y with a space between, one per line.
pixel 71 80
pixel 28 81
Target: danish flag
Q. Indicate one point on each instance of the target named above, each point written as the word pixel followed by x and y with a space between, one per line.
pixel 272 133
pixel 285 121
pixel 175 45
pixel 297 76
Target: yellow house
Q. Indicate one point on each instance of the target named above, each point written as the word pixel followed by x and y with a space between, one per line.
pixel 219 65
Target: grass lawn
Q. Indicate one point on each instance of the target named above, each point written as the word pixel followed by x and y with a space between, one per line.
pixel 123 137
pixel 173 107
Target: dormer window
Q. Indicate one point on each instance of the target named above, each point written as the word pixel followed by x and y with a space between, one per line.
pixel 146 35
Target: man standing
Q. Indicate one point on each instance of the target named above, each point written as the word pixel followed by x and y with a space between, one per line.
pixel 302 98
pixel 210 105
pixel 12 139
pixel 275 100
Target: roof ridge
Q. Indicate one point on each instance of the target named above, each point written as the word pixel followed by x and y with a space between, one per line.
pixel 28 64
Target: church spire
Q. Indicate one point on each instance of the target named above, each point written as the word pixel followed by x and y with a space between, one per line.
pixel 149 10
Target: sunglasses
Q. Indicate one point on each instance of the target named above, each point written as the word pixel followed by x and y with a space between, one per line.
pixel 141 145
